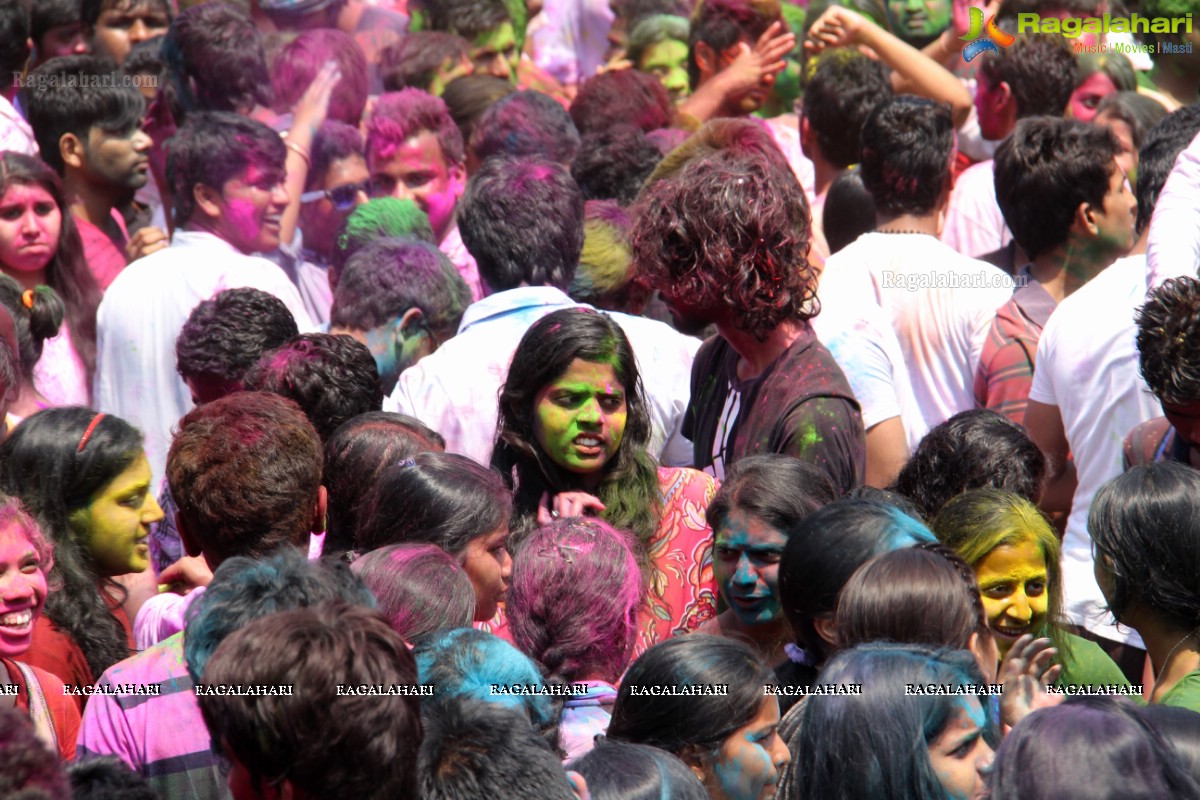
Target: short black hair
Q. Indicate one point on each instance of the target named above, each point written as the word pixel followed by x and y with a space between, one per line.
pixel 60 98
pixel 1040 70
pixel 844 88
pixel 1168 326
pixel 526 123
pixel 226 335
pixel 334 141
pixel 214 54
pixel 107 778
pixel 413 61
pixel 473 749
pixel 45 15
pixel 467 18
pixel 1044 170
pixel 469 96
pixel 391 276
pixel 14 32
pixel 332 378
pixel 90 10
pixel 851 210
pixel 973 449
pixel 1163 144
pixel 522 220
pixel 907 142
pixel 214 147
pixel 613 163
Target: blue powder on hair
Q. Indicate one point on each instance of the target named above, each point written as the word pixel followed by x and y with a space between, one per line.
pixel 907 531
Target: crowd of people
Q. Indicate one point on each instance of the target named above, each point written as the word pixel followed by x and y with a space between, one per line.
pixel 556 399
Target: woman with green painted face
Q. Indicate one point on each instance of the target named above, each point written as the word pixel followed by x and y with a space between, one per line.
pixel 571 440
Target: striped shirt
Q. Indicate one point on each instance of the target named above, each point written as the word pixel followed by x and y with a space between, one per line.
pixel 160 736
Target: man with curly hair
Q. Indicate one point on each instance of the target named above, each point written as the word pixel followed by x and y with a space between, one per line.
pixel 726 239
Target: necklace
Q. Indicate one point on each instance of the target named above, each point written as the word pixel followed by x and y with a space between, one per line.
pixel 1186 636
pixel 919 233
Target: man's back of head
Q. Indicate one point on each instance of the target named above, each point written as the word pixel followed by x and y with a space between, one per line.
pixel 907 144
pixel 215 60
pixel 1035 76
pixel 522 221
pixel 473 748
pixel 321 739
pixel 843 89
pixel 525 124
pixel 245 472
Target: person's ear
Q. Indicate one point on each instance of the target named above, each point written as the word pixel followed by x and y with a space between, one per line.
pixel 458 178
pixel 706 59
pixel 826 628
pixel 806 137
pixel 409 324
pixel 1004 96
pixel 72 151
pixel 190 545
pixel 1085 219
pixel 208 200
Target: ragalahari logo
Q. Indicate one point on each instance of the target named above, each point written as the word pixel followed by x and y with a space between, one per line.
pixel 991 33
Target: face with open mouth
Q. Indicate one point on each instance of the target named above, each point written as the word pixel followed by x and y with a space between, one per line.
pixel 22 590
pixel 579 418
pixel 747 552
pixel 1014 584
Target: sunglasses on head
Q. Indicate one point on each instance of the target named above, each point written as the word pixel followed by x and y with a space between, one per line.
pixel 342 197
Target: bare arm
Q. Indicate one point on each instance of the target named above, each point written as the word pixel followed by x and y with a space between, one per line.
pixel 887 450
pixel 914 73
pixel 1045 426
pixel 307 118
pixel 752 66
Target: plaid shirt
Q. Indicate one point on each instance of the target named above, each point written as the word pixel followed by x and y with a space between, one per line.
pixel 1005 370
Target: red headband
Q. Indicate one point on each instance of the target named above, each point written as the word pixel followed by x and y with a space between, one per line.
pixel 88 433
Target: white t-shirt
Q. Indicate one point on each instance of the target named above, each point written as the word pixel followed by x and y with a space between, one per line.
pixel 974 224
pixel 1174 245
pixel 1087 365
pixel 940 305
pixel 141 315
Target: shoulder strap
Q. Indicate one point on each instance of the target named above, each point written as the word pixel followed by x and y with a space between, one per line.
pixel 39 711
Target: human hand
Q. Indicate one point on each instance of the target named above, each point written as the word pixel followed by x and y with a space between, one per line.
pixel 186 574
pixel 837 27
pixel 567 504
pixel 310 110
pixel 146 241
pixel 755 65
pixel 1025 673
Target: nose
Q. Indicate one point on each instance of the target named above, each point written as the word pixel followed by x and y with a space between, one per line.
pixel 138 32
pixel 142 141
pixel 983 764
pixel 29 225
pixel 744 575
pixel 151 511
pixel 498 67
pixel 15 587
pixel 1019 608
pixel 279 195
pixel 506 566
pixel 361 197
pixel 590 412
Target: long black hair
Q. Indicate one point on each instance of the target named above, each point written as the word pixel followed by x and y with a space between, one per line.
pixel 47 463
pixel 629 486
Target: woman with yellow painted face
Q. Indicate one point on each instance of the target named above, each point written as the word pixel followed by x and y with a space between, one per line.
pixel 85 478
pixel 1016 557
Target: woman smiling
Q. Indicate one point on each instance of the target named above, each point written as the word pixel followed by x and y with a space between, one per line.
pixel 1015 555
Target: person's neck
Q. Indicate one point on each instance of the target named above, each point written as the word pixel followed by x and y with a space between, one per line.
pixel 757 356
pixel 1139 247
pixel 1174 652
pixel 824 174
pixel 88 203
pixel 910 223
pixel 1067 267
